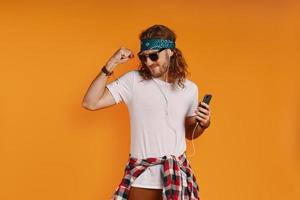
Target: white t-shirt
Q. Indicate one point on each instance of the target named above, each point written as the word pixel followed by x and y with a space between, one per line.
pixel 157 116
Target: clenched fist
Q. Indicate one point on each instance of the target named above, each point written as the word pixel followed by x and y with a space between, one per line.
pixel 120 56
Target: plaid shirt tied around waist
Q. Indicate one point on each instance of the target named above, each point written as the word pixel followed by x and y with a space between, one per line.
pixel 179 182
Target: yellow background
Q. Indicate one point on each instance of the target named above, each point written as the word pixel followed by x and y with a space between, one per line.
pixel 246 54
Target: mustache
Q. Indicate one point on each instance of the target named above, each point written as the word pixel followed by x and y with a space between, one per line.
pixel 151 66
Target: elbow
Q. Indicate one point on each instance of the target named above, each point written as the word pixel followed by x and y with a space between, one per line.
pixel 87 106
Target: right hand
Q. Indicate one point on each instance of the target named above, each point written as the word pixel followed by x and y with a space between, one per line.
pixel 122 55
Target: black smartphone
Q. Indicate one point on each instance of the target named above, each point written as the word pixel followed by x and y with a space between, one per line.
pixel 206 99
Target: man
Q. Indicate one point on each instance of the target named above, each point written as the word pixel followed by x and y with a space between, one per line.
pixel 163 107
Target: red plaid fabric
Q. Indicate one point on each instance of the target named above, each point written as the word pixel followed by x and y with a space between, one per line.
pixel 179 182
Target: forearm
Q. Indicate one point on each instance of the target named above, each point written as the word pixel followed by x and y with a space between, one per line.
pixel 97 87
pixel 189 131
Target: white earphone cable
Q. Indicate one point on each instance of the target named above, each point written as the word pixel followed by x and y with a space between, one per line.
pixel 194 150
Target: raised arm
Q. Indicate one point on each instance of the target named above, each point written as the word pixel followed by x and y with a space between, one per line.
pixel 97 96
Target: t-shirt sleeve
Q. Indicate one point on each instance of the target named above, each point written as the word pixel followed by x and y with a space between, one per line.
pixel 122 88
pixel 194 103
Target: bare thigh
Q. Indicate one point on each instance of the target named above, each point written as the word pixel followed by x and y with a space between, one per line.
pixel 145 194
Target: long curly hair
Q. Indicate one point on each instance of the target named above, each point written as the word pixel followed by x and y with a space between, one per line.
pixel 178 66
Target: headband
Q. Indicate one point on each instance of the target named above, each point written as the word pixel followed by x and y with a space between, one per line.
pixel 156 44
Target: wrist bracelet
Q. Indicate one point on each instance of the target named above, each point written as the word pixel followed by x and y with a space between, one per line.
pixel 107 73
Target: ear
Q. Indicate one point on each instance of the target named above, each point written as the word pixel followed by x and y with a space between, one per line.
pixel 170 53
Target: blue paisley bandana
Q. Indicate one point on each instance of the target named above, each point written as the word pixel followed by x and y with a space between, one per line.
pixel 156 44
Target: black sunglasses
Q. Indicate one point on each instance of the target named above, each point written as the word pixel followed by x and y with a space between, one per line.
pixel 153 56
